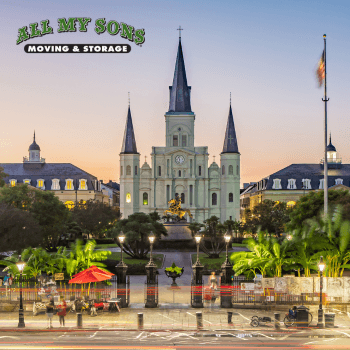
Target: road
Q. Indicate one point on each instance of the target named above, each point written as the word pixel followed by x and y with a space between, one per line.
pixel 161 340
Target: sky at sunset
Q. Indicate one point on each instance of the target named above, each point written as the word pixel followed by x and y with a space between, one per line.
pixel 265 52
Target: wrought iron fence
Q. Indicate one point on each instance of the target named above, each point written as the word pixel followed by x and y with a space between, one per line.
pixel 151 291
pixel 196 292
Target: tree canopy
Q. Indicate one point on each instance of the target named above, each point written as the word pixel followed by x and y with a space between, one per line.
pixel 2 176
pixel 136 229
pixel 267 216
pixel 311 205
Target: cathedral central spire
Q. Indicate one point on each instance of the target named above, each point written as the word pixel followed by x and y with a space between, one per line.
pixel 180 99
pixel 129 142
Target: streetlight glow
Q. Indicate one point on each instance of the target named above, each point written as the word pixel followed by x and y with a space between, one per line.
pixel 151 237
pixel 198 238
pixel 121 237
pixel 227 237
pixel 321 264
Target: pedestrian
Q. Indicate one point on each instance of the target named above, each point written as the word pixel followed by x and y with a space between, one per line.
pixel 62 312
pixel 49 312
pixel 213 281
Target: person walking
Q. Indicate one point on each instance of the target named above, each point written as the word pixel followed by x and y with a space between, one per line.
pixel 62 313
pixel 49 312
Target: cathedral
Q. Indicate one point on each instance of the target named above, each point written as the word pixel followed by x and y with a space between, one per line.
pixel 180 168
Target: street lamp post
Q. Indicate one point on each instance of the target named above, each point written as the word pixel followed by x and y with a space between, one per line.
pixel 197 282
pixel 226 270
pixel 321 267
pixel 121 274
pixel 20 266
pixel 152 283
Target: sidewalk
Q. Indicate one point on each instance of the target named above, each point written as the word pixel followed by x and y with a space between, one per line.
pixel 180 317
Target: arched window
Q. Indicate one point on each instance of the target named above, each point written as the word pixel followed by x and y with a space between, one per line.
pixel 230 197
pixel 128 198
pixel 167 193
pixel 214 199
pixel 135 169
pixel 145 198
pixel 175 140
pixel 159 171
pixel 179 173
pixel 182 198
pixel 223 170
pixel 176 195
pixel 69 205
pixel 237 170
pixel 230 170
pixel 128 170
pixel 121 171
pixel 199 171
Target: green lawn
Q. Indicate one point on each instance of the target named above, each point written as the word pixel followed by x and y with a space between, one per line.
pixel 157 258
pixel 103 246
pixel 238 245
pixel 208 263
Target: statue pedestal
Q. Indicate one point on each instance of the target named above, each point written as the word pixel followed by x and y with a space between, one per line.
pixel 177 231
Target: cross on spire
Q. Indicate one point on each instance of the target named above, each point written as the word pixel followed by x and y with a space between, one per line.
pixel 230 138
pixel 179 29
pixel 214 159
pixel 145 159
pixel 129 98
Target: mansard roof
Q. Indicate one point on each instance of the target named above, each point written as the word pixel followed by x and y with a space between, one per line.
pixel 180 97
pixel 48 172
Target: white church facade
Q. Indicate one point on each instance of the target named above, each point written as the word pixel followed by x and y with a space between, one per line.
pixel 181 168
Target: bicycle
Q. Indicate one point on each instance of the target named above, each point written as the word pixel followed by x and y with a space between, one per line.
pixel 289 319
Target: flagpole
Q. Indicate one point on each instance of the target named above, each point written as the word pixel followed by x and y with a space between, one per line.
pixel 325 100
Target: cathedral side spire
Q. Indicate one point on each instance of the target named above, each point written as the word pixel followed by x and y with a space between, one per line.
pixel 230 141
pixel 129 142
pixel 180 99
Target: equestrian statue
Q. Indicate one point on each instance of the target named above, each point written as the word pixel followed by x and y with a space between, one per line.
pixel 175 208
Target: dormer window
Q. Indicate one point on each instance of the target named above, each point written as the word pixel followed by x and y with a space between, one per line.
pixel 13 182
pixel 321 187
pixel 82 184
pixel 40 183
pixel 338 181
pixel 69 184
pixel 276 184
pixel 27 181
pixel 291 184
pixel 55 184
pixel 306 184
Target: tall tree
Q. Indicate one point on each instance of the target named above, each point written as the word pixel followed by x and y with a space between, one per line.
pixel 95 217
pixel 136 229
pixel 213 232
pixel 311 206
pixel 268 216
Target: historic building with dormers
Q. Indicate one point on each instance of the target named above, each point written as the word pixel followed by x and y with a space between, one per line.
pixel 181 168
pixel 69 183
pixel 291 183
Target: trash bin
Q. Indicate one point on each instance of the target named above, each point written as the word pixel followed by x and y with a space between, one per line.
pixel 329 320
pixel 302 316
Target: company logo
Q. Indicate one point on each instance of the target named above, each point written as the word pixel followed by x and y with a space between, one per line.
pixel 74 24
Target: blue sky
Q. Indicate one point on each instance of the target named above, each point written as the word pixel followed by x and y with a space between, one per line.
pixel 264 52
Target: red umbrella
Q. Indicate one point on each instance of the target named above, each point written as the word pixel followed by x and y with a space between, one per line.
pixel 92 274
pixel 94 268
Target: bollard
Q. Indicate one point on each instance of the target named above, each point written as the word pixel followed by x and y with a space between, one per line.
pixel 79 320
pixel 199 317
pixel 140 321
pixel 229 317
pixel 277 320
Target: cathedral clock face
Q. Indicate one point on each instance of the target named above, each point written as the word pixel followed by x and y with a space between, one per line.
pixel 179 159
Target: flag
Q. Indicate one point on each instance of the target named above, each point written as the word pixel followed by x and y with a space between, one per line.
pixel 320 72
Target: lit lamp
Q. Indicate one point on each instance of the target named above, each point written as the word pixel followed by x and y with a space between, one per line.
pixel 20 266
pixel 151 238
pixel 321 267
pixel 198 238
pixel 121 239
pixel 227 238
